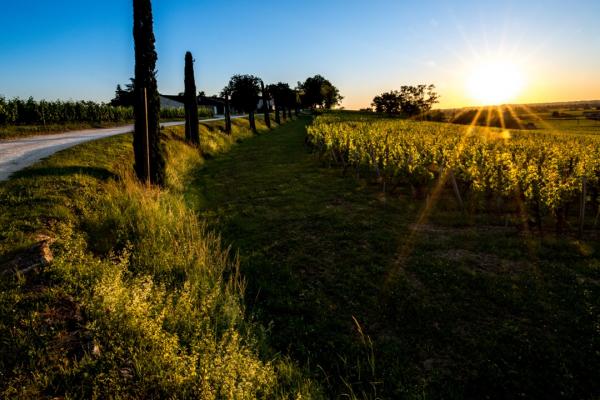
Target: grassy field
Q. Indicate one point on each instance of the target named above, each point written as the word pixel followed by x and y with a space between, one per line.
pixel 337 290
pixel 381 303
pixel 142 300
pixel 16 131
pixel 572 122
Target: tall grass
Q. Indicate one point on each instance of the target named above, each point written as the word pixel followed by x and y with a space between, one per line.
pixel 142 301
pixel 164 301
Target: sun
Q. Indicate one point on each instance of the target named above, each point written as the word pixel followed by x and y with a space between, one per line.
pixel 494 82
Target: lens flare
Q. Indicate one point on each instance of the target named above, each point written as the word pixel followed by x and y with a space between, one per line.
pixel 495 82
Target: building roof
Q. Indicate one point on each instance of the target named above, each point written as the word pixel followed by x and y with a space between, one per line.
pixel 202 100
pixel 210 101
pixel 171 101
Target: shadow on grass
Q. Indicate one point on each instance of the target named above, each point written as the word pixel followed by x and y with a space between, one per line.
pixel 94 172
pixel 473 312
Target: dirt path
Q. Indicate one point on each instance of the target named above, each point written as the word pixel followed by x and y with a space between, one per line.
pixel 17 154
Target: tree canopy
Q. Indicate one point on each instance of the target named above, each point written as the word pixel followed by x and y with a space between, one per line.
pixel 412 100
pixel 244 92
pixel 388 103
pixel 278 93
pixel 124 97
pixel 318 92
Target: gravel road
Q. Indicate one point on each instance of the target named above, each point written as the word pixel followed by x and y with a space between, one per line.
pixel 17 154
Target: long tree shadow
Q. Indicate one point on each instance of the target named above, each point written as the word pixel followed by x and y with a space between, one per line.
pixel 94 172
pixel 314 246
pixel 466 307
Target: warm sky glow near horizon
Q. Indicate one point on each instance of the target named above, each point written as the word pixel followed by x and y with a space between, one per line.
pixel 475 52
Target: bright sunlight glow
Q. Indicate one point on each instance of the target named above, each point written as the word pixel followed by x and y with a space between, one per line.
pixel 495 82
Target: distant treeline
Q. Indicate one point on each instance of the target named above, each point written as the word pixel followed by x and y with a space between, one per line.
pixel 31 112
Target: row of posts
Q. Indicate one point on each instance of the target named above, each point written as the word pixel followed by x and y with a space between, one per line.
pixel 581 203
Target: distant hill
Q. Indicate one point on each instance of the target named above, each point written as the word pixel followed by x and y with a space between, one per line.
pixel 579 104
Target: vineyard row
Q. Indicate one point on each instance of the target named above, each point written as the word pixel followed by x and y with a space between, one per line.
pixel 543 172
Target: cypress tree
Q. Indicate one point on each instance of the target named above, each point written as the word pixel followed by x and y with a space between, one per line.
pixel 265 99
pixel 227 115
pixel 192 133
pixel 148 149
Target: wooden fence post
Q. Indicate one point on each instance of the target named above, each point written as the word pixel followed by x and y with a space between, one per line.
pixel 582 206
pixel 456 190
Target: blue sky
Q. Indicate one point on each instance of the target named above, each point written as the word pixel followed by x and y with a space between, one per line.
pixel 81 49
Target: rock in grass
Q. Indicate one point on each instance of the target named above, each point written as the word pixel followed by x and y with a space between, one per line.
pixel 37 256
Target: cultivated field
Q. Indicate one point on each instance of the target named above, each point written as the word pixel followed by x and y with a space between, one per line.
pixel 528 175
pixel 353 270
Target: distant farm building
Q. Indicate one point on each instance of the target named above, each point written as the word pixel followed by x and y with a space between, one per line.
pixel 593 115
pixel 216 103
pixel 177 101
pixel 171 102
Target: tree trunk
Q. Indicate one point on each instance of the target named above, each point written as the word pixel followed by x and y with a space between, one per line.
pixel 191 102
pixel 265 99
pixel 252 121
pixel 277 115
pixel 148 149
pixel 227 116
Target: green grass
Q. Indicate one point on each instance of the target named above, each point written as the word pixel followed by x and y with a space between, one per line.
pixel 576 124
pixel 18 131
pixel 142 300
pixel 378 307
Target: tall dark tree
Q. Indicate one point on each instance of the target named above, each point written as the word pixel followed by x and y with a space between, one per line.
pixel 290 101
pixel 148 149
pixel 415 100
pixel 388 103
pixel 245 90
pixel 279 93
pixel 124 97
pixel 192 132
pixel 227 113
pixel 265 99
pixel 274 91
pixel 411 100
pixel 318 92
